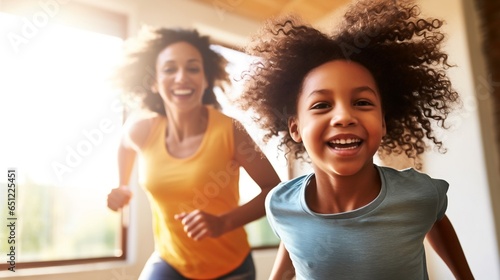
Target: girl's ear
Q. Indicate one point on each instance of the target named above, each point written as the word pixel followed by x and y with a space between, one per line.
pixel 293 128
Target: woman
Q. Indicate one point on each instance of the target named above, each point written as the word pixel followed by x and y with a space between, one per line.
pixel 189 157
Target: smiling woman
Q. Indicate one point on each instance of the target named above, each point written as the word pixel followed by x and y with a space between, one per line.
pixel 62 118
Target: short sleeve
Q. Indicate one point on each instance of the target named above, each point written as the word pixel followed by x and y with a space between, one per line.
pixel 269 214
pixel 441 188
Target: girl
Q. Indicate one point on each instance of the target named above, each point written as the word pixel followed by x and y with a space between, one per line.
pixel 376 84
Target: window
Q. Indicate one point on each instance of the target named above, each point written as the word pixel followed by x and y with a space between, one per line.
pixel 60 123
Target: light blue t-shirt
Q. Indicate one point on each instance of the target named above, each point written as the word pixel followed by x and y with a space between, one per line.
pixel 382 240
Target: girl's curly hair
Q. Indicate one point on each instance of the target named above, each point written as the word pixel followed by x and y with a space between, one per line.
pixel 137 73
pixel 389 38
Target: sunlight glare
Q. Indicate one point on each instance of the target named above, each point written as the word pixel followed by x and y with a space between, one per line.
pixel 57 99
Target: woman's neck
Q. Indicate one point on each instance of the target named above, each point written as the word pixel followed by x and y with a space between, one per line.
pixel 183 125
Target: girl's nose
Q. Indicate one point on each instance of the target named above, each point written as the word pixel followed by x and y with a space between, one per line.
pixel 342 116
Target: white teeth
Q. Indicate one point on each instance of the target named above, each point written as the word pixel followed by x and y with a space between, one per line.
pixel 347 148
pixel 182 91
pixel 346 141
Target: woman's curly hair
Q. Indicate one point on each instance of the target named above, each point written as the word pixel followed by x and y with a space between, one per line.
pixel 401 49
pixel 137 73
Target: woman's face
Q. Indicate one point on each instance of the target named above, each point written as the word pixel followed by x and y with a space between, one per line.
pixel 180 78
pixel 339 118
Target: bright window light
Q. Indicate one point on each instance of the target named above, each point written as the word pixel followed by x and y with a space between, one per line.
pixel 60 123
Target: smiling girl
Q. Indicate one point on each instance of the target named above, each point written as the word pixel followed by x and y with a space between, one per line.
pixel 376 84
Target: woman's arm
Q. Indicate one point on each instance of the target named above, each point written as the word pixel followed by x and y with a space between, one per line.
pixel 120 196
pixel 260 170
pixel 134 135
pixel 283 268
pixel 199 224
pixel 444 240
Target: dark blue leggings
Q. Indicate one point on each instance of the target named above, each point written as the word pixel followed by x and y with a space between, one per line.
pixel 158 269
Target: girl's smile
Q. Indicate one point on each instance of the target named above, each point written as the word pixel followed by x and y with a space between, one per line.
pixel 345 144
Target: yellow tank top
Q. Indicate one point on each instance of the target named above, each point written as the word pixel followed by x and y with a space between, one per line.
pixel 207 180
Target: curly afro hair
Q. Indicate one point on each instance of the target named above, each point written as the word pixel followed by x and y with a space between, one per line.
pixel 137 73
pixel 401 49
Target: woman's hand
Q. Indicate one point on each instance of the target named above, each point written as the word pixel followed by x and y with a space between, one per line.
pixel 119 197
pixel 199 224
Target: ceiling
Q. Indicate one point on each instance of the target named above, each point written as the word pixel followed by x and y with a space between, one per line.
pixel 259 10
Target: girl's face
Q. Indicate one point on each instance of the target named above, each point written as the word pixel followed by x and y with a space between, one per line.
pixel 180 78
pixel 339 118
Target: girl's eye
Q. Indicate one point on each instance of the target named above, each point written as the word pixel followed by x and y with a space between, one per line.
pixel 363 103
pixel 321 105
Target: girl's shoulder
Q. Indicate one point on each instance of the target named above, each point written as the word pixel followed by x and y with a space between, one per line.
pixel 138 127
pixel 411 177
pixel 291 187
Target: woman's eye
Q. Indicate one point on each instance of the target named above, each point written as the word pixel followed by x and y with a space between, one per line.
pixel 194 70
pixel 169 70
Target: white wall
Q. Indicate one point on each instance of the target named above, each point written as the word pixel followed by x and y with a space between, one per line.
pixel 212 20
pixel 469 165
pixel 464 166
